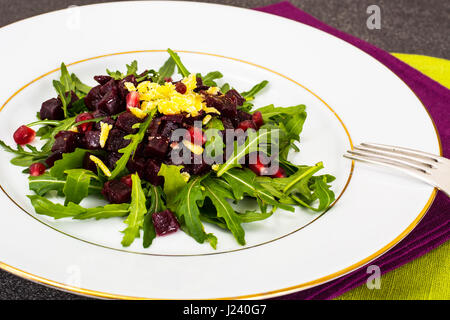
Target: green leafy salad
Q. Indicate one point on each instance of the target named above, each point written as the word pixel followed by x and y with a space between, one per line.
pixel 167 150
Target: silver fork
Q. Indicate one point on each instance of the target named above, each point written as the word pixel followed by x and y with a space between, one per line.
pixel 428 167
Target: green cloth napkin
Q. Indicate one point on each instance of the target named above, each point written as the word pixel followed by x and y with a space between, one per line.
pixel 427 277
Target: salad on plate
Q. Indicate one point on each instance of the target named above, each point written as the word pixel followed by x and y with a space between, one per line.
pixel 167 152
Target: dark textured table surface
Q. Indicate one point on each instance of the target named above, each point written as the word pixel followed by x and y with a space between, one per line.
pixel 408 26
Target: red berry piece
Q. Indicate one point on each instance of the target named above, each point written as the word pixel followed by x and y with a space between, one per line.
pixel 247 124
pixel 133 100
pixel 280 173
pixel 257 119
pixel 195 135
pixel 24 135
pixel 180 87
pixel 127 180
pixel 84 127
pixel 37 169
pixel 259 168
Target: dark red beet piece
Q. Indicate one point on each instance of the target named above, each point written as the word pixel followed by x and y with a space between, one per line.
pixel 52 110
pixel 137 164
pixel 126 121
pixel 257 119
pixel 225 105
pixel 93 97
pixel 242 116
pixel 127 180
pixel 37 169
pixel 180 87
pixel 111 102
pixel 111 159
pixel 156 147
pixel 102 79
pixel 165 222
pixel 123 91
pixel 116 140
pixel 84 126
pixel 151 172
pixel 234 96
pixel 91 140
pixel 66 142
pixel 24 135
pixel 116 191
pixel 88 164
pixel 247 124
pixel 50 161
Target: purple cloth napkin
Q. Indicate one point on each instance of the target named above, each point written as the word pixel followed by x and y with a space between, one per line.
pixel 433 230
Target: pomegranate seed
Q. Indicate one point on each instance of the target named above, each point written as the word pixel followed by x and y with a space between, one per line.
pixel 83 117
pixel 258 119
pixel 127 180
pixel 24 135
pixel 247 124
pixel 133 100
pixel 37 169
pixel 259 168
pixel 280 173
pixel 169 79
pixel 181 87
pixel 195 135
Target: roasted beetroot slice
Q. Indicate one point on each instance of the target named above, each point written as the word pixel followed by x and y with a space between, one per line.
pixel 102 79
pixel 157 147
pixel 154 127
pixel 52 110
pixel 50 161
pixel 151 172
pixel 91 140
pixel 126 121
pixel 66 142
pixel 116 191
pixel 88 164
pixel 237 99
pixel 165 222
pixel 123 92
pixel 116 140
pixel 111 159
pixel 137 164
pixel 111 103
pixel 93 97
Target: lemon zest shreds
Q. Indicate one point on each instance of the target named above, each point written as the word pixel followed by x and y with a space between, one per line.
pixel 130 86
pixel 196 149
pixel 137 112
pixel 101 165
pixel 104 133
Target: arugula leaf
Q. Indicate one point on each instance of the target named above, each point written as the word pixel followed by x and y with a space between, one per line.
pixel 289 121
pixel 135 219
pixel 250 95
pixel 173 183
pixel 208 80
pixel 131 148
pixel 77 185
pixel 240 151
pixel 73 160
pixel 166 71
pixel 108 211
pixel 252 216
pixel 131 69
pixel 225 88
pixel 181 68
pixel 42 184
pixel 156 205
pixel 214 145
pixel 46 207
pixel 24 158
pixel 81 89
pixel 243 182
pixel 218 195
pixel 188 213
pixel 215 123
pixel 58 211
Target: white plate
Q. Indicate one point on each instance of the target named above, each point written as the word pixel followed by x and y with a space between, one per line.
pixel 285 253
